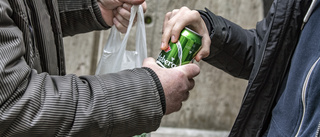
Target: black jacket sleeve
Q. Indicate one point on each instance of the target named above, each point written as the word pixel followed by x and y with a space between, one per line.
pixel 233 49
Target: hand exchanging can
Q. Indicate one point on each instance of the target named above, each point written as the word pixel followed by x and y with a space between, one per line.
pixel 182 52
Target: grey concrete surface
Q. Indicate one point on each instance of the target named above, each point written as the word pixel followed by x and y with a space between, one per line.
pixel 215 100
pixel 185 132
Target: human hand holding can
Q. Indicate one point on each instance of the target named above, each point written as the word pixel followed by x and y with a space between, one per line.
pixel 182 52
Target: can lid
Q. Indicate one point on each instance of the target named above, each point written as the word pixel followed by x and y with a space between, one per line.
pixel 193 31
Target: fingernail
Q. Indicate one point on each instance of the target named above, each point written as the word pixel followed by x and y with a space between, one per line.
pixel 162 45
pixel 173 38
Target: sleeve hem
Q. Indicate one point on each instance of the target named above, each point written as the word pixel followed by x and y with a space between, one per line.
pixel 97 12
pixel 159 88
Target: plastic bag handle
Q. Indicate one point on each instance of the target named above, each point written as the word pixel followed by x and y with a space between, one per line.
pixel 136 10
pixel 117 46
pixel 141 42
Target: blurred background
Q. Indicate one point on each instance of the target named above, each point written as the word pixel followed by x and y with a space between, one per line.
pixel 214 102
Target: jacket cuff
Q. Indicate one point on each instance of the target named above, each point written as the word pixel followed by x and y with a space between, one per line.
pixel 159 88
pixel 207 20
pixel 133 99
pixel 217 31
pixel 97 12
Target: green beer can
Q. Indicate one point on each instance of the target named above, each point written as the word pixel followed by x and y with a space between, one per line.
pixel 182 52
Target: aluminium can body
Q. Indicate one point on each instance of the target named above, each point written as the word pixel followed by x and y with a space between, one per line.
pixel 182 52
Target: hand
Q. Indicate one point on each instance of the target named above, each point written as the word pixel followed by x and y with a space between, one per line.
pixel 176 82
pixel 122 16
pixel 176 20
pixel 117 12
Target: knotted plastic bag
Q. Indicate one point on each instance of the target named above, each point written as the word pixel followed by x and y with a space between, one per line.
pixel 115 57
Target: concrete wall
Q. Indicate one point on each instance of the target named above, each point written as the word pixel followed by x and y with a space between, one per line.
pixel 215 100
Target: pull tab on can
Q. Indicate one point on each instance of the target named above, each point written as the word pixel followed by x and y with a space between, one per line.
pixel 179 52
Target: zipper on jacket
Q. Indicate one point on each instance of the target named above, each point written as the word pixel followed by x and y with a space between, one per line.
pixel 303 93
pixel 308 14
pixel 317 134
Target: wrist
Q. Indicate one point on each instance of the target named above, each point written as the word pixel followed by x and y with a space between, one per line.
pixel 107 14
pixel 159 88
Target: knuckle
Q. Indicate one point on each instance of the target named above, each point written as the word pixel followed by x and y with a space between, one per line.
pixel 175 10
pixel 179 106
pixel 206 52
pixel 118 9
pixel 175 30
pixel 170 22
pixel 123 30
pixel 119 27
pixel 127 6
pixel 194 13
pixel 117 24
pixel 119 18
pixel 121 11
pixel 191 86
pixel 184 8
pixel 168 14
pixel 186 96
pixel 180 75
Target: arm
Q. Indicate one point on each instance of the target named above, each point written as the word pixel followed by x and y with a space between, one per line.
pixel 233 49
pixel 124 103
pixel 85 16
pixel 225 45
pixel 79 17
pixel 120 104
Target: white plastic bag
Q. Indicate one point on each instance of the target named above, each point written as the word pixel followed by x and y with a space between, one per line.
pixel 115 57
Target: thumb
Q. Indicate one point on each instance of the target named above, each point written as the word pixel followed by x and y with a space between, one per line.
pixel 148 61
pixel 190 70
pixel 133 2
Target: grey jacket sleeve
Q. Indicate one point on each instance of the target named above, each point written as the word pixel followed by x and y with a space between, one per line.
pixel 233 49
pixel 32 104
pixel 80 16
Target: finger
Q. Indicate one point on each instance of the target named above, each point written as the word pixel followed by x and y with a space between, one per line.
pixel 119 26
pixel 178 107
pixel 133 2
pixel 190 70
pixel 121 19
pixel 125 14
pixel 166 28
pixel 186 96
pixel 110 5
pixel 144 7
pixel 180 25
pixel 174 24
pixel 176 15
pixel 106 14
pixel 148 61
pixel 191 84
pixel 195 21
pixel 127 6
pixel 174 12
pixel 205 49
pixel 206 42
